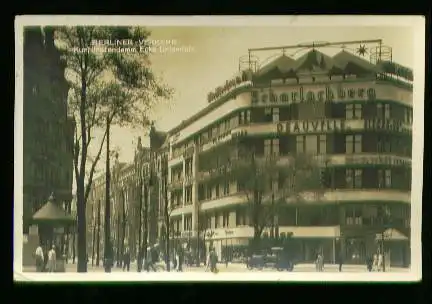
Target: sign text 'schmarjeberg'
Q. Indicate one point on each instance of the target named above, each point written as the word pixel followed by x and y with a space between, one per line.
pixel 301 94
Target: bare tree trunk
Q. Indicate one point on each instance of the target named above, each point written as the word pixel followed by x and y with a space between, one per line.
pixel 108 254
pixel 145 232
pixel 98 233
pixel 123 225
pixel 73 247
pixel 93 239
pixel 118 241
pixel 140 249
pixel 68 230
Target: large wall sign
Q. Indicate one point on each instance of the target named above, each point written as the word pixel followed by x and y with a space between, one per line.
pixel 377 160
pixel 386 124
pixel 313 126
pixel 302 94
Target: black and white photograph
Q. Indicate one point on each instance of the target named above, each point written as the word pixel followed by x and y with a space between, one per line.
pixel 218 148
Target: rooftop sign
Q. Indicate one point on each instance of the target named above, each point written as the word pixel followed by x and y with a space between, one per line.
pixel 228 86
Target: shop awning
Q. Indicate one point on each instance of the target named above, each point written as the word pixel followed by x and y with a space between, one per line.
pixel 391 234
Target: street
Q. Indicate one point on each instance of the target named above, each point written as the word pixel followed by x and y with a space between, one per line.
pixel 237 267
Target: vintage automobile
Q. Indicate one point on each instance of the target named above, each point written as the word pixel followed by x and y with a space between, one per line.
pixel 276 258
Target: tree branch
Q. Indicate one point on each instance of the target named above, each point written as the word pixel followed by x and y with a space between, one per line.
pixel 93 167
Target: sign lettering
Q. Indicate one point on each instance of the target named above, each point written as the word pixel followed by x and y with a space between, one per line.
pixel 377 160
pixel 229 84
pixel 385 124
pixel 314 126
pixel 301 95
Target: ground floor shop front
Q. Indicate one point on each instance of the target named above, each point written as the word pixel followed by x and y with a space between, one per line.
pixel 304 243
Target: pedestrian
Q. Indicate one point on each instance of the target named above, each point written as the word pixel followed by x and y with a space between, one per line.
pixel 52 259
pixel 317 262
pixel 40 260
pixel 213 261
pixel 369 263
pixel 340 261
pixel 180 259
pixel 321 262
pixel 375 262
pixel 126 259
pixel 149 260
pixel 380 262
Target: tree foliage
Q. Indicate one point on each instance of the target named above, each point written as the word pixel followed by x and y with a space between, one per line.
pixel 106 88
pixel 269 182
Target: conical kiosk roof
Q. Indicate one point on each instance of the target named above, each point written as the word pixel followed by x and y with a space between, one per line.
pixel 51 213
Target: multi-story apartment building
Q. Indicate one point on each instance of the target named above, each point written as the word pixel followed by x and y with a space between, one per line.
pixel 355 112
pixel 134 201
pixel 48 131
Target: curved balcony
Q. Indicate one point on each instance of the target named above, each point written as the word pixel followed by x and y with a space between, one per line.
pixel 328 197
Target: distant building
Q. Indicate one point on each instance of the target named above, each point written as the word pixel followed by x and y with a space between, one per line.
pixel 48 131
pixel 355 112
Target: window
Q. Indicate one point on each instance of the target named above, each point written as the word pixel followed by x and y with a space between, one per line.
pixel 241 217
pixel 383 144
pixel 248 116
pixel 208 222
pixel 311 144
pixel 226 187
pixel 275 114
pixel 353 144
pixel 384 178
pixel 225 219
pixel 383 111
pixel 209 192
pixel 408 115
pixel 241 118
pixel 354 215
pixel 322 144
pixel 227 124
pixel 353 178
pixel 300 144
pixel 187 224
pixel 353 111
pixel 216 220
pixel 189 195
pixel 271 147
pixel 386 111
pixel 217 190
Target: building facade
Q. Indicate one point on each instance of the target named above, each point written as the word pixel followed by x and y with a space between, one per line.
pixel 356 112
pixel 134 201
pixel 48 130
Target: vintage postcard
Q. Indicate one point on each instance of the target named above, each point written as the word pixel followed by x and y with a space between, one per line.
pixel 218 148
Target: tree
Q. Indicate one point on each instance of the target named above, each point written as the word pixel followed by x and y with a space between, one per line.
pixel 269 184
pixel 91 101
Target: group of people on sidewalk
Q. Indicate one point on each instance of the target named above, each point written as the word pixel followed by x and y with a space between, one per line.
pixel 373 263
pixel 45 260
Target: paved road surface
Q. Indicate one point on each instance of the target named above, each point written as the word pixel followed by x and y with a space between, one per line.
pixel 237 268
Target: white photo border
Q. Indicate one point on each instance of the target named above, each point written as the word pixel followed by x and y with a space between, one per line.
pixel 417 23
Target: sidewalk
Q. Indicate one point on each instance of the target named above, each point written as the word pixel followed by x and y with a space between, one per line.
pixel 236 267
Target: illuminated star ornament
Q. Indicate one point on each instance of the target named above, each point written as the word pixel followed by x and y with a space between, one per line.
pixel 362 50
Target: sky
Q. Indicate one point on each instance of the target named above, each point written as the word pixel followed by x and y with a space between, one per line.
pixel 213 57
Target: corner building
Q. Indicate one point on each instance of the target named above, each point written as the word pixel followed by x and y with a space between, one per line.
pixel 356 113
